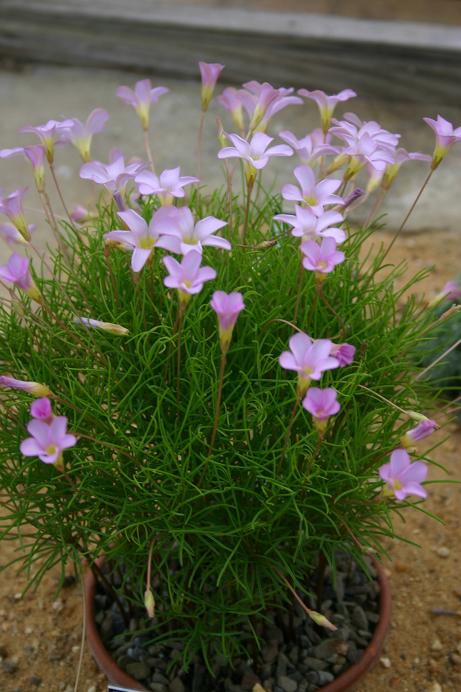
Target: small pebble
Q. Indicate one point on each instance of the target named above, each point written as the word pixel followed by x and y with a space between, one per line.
pixel 35 680
pixel 456 659
pixel 436 645
pixel 57 605
pixel 435 687
pixel 443 551
pixel 385 662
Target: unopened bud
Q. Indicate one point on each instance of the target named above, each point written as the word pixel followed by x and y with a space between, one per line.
pixel 149 603
pixel 321 620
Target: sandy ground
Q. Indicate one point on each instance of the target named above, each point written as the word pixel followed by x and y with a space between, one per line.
pixel 41 633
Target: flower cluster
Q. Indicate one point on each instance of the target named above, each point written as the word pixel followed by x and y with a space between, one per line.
pixel 192 395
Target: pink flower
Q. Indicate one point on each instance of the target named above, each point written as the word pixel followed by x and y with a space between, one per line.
pixel 142 237
pixel 11 235
pixel 16 271
pixel 81 134
pixel 41 410
pixel 11 206
pixel 425 428
pixel 230 99
pixel 188 277
pixel 451 291
pixel 308 358
pixel 323 258
pixel 48 134
pixel 182 234
pixel 315 195
pixel 401 156
pixel 35 153
pixel 166 186
pixel 34 388
pixel 321 404
pixel 327 104
pixel 403 477
pixel 308 226
pixel 263 101
pixel 80 214
pixel 255 153
pixel 227 306
pixel 311 147
pixel 445 137
pixel 352 128
pixel 209 73
pixel 48 441
pixel 141 98
pixel 344 353
pixel 114 175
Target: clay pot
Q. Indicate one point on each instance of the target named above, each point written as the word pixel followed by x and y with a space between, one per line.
pixel 346 681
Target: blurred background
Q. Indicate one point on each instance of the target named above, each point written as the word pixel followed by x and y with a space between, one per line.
pixel 62 58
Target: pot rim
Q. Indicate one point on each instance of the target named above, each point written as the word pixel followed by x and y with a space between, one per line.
pixel 345 681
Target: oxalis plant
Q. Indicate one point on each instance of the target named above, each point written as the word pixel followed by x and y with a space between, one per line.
pixel 218 393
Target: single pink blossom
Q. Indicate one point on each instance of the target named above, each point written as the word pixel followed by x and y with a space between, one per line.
pixel 169 184
pixel 11 206
pixel 309 226
pixel 48 441
pixel 227 306
pixel 113 175
pixel 34 388
pixel 35 153
pixel 80 214
pixel 401 156
pixel 445 137
pixel 49 134
pixel 262 101
pixel 323 258
pixel 80 134
pixel 344 353
pixel 188 276
pixel 16 271
pixel 351 128
pixel 182 235
pixel 451 290
pixel 255 153
pixel 141 98
pixel 209 73
pixel 326 103
pixel 424 428
pixel 404 477
pixel 321 404
pixel 311 147
pixel 11 235
pixel 310 192
pixel 41 409
pixel 142 237
pixel 308 358
pixel 230 99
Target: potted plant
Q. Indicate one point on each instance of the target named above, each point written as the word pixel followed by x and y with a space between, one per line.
pixel 213 402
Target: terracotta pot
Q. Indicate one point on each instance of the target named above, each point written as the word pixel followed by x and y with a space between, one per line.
pixel 346 681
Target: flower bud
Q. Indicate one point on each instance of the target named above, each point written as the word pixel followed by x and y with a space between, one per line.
pixel 149 603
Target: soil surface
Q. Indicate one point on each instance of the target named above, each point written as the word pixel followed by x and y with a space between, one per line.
pixel 40 633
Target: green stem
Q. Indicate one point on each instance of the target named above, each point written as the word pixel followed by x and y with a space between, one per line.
pixel 250 185
pixel 200 144
pixel 61 197
pixel 148 149
pixel 217 412
pixel 325 300
pixel 410 211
